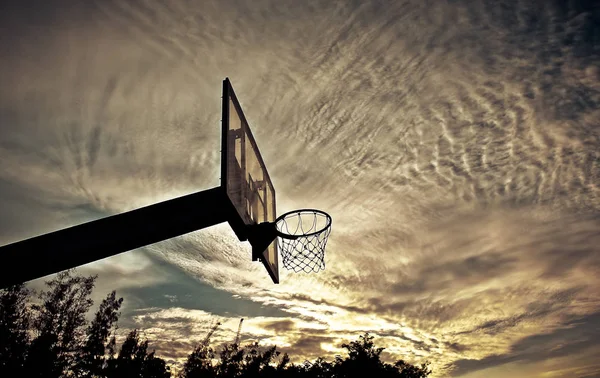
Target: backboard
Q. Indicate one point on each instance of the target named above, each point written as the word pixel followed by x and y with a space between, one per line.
pixel 245 179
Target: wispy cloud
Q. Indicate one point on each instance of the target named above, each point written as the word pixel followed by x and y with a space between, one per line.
pixel 454 144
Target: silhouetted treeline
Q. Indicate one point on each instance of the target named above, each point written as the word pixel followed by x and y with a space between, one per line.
pixel 52 338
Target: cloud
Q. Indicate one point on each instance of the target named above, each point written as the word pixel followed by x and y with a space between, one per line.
pixel 454 144
pixel 280 326
pixel 573 338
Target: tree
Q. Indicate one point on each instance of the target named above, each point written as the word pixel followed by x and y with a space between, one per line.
pixel 365 359
pixel 319 369
pixel 15 320
pixel 253 361
pixel 199 363
pixel 54 339
pixel 92 360
pixel 257 362
pixel 59 323
pixel 134 360
pixel 411 371
pixel 155 367
pixel 230 364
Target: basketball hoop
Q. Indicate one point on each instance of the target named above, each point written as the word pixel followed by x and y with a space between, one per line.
pixel 302 236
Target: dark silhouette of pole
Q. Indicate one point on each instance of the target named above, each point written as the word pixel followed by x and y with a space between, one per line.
pixel 74 246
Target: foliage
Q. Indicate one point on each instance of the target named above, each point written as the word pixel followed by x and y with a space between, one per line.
pixel 363 359
pixel 53 338
pixel 134 360
pixel 98 343
pixel 199 363
pixel 59 324
pixel 15 320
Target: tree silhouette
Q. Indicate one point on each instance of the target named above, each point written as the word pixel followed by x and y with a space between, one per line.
pixel 199 363
pixel 59 323
pixel 63 344
pixel 253 361
pixel 411 371
pixel 93 357
pixel 364 358
pixel 258 362
pixel 321 368
pixel 53 338
pixel 15 319
pixel 230 364
pixel 134 360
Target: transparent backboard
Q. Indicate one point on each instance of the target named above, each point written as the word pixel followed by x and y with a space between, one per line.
pixel 245 178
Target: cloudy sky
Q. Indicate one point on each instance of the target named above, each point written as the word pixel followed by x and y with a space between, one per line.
pixel 456 145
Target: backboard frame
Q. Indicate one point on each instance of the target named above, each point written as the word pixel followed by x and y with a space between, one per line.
pixel 242 213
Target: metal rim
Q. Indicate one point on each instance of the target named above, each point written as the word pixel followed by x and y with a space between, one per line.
pixel 299 211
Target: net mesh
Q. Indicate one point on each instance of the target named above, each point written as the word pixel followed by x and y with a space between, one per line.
pixel 302 245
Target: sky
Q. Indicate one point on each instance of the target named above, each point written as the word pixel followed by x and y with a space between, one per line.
pixel 456 145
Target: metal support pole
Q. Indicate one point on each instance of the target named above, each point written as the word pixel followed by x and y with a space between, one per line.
pixel 68 248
